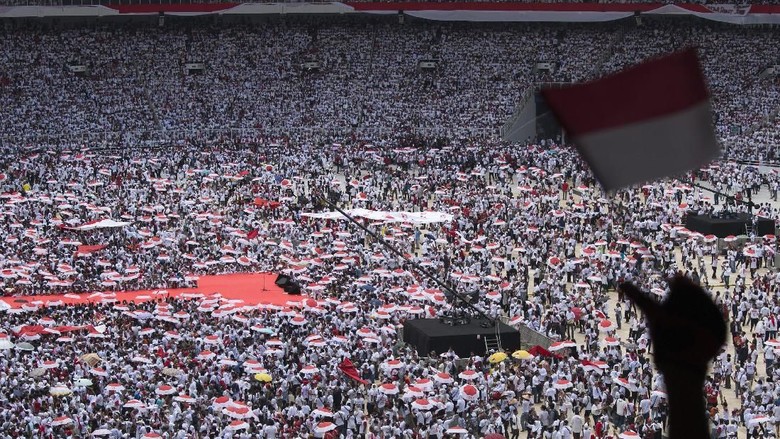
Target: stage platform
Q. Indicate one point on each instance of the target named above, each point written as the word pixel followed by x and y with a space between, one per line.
pixel 723 226
pixel 248 287
pixel 432 335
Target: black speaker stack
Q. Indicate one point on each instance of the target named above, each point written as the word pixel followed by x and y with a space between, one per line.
pixel 288 284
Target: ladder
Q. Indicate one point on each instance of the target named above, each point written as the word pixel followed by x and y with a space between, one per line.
pixel 749 228
pixel 492 343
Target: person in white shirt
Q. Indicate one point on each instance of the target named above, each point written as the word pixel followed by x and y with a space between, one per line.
pixel 577 422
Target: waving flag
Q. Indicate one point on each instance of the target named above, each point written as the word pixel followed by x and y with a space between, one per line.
pixel 349 370
pixel 649 121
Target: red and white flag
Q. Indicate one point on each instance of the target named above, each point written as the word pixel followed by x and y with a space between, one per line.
pixel 648 121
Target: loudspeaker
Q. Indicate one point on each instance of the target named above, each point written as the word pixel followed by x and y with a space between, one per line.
pixel 292 288
pixel 282 280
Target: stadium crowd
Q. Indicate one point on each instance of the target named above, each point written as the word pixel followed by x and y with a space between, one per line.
pixel 525 232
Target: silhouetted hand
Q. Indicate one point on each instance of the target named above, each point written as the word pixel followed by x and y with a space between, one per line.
pixel 687 329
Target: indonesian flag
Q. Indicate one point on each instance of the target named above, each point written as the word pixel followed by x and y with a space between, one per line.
pixel 649 121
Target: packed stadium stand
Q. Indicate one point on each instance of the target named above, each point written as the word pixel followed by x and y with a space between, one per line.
pixel 160 169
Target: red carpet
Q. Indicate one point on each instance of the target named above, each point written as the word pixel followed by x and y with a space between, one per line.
pixel 252 288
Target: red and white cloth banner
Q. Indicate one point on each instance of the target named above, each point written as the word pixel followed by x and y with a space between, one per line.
pixel 646 122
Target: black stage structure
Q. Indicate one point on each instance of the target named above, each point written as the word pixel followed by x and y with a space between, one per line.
pixel 728 223
pixel 465 339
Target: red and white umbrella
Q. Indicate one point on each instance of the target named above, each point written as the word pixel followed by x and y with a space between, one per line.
pixel 606 326
pixel 238 412
pixel 553 262
pixel 101 432
pixel 629 434
pixel 62 420
pixel 222 401
pixel 456 429
pixel 468 374
pixel 151 435
pixel 98 371
pixel 389 389
pixel 623 382
pixel 183 397
pixel 559 345
pixel 206 355
pixel 165 390
pixel 422 404
pixel 50 364
pixel 562 384
pixel 730 238
pixel 309 370
pixel 443 378
pixel 760 419
pixel 134 404
pixel 393 364
pixel 414 392
pixel 115 387
pixel 610 341
pixel 469 393
pixel 322 412
pixel 423 383
pixel 775 343
pixel 237 425
pixel 324 427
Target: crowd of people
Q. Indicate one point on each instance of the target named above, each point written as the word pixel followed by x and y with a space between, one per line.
pixel 369 84
pixel 524 231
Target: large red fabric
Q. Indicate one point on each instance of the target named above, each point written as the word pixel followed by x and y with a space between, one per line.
pixel 87 249
pixel 349 370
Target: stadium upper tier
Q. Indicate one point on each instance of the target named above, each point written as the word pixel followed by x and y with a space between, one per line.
pixel 135 87
pixel 129 2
